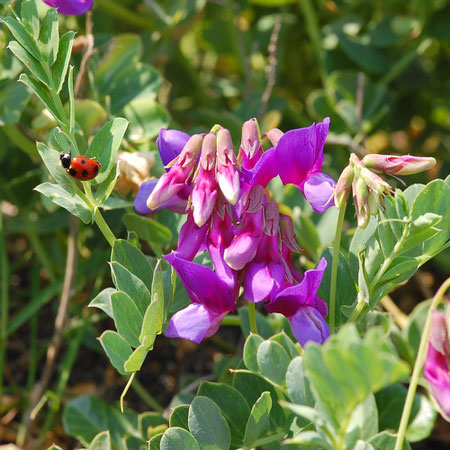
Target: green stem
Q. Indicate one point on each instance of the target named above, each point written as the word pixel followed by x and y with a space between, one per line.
pixel 122 397
pixel 359 308
pixel 252 317
pixel 19 139
pixel 232 321
pixel 421 354
pixel 104 228
pixel 4 300
pixel 334 268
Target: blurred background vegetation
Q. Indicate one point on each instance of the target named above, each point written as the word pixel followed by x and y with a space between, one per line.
pixel 379 68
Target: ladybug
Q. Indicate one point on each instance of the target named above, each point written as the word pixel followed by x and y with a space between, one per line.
pixel 80 167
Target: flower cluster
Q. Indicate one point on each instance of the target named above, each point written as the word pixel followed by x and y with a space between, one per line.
pixel 230 214
pixel 368 187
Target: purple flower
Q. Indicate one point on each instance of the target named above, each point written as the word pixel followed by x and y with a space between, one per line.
pixel 177 177
pixel 299 158
pixel 226 170
pixel 211 299
pixel 398 165
pixel 71 7
pixel 303 308
pixel 170 143
pixel 251 147
pixel 436 369
pixel 204 192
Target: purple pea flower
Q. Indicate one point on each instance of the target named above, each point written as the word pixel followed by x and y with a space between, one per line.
pixel 226 170
pixel 70 7
pixel 299 158
pixel 251 147
pixel 172 182
pixel 211 299
pixel 303 308
pixel 170 144
pixel 436 369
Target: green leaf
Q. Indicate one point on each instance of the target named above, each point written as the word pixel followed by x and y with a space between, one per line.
pixel 134 260
pixel 285 341
pixel 264 327
pixel 73 203
pixel 105 188
pixel 345 287
pixel 365 56
pixel 86 416
pixel 434 198
pixel 125 281
pixel 297 384
pixel 136 359
pixel 21 35
pixel 251 386
pixel 117 349
pixel 101 442
pixel 179 417
pixel 49 36
pixel 57 171
pixel 14 98
pixel 273 361
pixel 258 421
pixel 155 442
pixel 62 60
pixel 346 369
pixel 103 301
pixel 105 145
pixel 30 62
pixel 311 439
pixel 307 412
pixel 146 119
pixel 30 18
pixel 154 233
pixel 154 316
pixel 233 406
pixel 386 441
pixel 127 317
pixel 358 244
pixel 43 95
pixel 364 419
pixel 90 115
pixel 178 438
pixel 207 424
pixel 149 421
pixel 250 348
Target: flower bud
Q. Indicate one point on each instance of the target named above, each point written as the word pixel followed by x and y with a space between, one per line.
pixel 274 135
pixel 250 142
pixel 271 219
pixel 226 171
pixel 343 187
pixel 374 182
pixel 287 232
pixel 398 165
pixel 361 199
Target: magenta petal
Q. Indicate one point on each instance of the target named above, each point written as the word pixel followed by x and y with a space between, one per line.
pixel 266 168
pixel 309 326
pixel 170 143
pixel 321 135
pixel 289 300
pixel 176 204
pixel 71 7
pixel 241 251
pixel 195 322
pixel 191 238
pixel 203 285
pixel 260 279
pixel 318 190
pixel 295 155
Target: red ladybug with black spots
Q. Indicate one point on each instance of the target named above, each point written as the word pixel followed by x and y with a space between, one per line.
pixel 80 167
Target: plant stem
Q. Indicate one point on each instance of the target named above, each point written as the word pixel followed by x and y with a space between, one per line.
pixel 104 228
pixel 418 365
pixel 4 300
pixel 252 318
pixel 122 397
pixel 334 268
pixel 232 320
pixel 357 311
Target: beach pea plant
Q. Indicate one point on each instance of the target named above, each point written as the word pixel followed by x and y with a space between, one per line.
pixel 320 366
